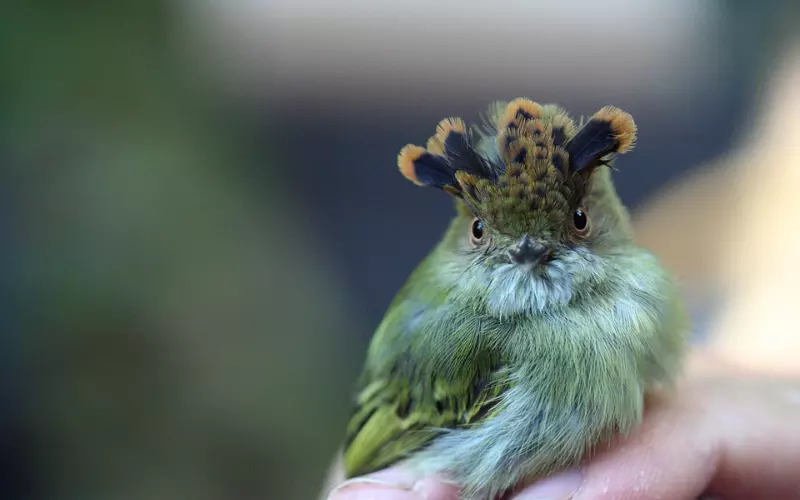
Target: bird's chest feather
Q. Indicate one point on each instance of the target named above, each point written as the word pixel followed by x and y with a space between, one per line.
pixel 575 380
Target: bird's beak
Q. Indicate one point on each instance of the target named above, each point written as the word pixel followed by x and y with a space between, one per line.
pixel 529 251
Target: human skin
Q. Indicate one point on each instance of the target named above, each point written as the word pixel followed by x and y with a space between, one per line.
pixel 725 430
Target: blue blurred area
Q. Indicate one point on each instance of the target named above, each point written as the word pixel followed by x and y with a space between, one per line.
pixel 192 271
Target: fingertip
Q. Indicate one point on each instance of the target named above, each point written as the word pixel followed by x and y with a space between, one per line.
pixel 387 484
pixel 395 484
pixel 364 490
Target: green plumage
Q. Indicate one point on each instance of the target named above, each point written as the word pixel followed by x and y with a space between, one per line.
pixel 399 408
pixel 514 350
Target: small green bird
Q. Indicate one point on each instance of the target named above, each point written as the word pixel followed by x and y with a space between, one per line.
pixel 533 330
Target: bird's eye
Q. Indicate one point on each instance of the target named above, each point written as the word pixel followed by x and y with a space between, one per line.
pixel 580 221
pixel 476 231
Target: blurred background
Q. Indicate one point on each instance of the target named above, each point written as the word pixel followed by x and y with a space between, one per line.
pixel 201 221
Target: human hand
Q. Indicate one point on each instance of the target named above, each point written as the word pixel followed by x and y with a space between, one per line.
pixel 724 432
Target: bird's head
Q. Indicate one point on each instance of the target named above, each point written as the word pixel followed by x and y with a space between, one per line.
pixel 539 222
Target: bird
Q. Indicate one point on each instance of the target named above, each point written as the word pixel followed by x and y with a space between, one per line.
pixel 530 335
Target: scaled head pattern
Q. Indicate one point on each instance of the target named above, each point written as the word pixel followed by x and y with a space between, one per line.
pixel 530 162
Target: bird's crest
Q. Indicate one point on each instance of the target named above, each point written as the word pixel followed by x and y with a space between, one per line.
pixel 532 161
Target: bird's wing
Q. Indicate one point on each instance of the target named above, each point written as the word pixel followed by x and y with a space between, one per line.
pixel 396 416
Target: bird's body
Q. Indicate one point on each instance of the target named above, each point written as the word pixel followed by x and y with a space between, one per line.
pixel 533 330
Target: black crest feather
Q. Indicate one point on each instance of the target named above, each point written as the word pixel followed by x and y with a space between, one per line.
pixel 449 151
pixel 610 130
